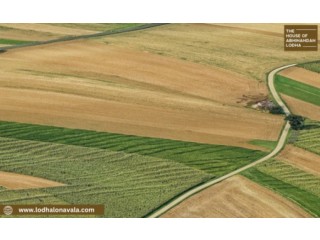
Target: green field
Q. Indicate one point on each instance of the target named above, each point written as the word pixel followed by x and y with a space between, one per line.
pixel 297 90
pixel 214 159
pixel 313 66
pixel 13 41
pixel 268 145
pixel 128 185
pixel 309 137
pixel 130 175
pixel 296 185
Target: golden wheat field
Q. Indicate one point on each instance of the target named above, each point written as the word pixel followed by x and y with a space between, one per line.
pixel 92 85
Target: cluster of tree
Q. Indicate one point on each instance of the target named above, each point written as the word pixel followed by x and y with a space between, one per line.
pixel 296 121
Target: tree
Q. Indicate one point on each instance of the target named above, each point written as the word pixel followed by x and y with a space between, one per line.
pixel 276 110
pixel 296 121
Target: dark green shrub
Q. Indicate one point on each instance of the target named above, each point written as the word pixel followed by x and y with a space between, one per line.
pixel 296 121
pixel 276 110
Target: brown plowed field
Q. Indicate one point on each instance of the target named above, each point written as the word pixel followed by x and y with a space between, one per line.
pixel 302 108
pixel 302 75
pixel 236 197
pixel 18 181
pixel 301 158
pixel 92 85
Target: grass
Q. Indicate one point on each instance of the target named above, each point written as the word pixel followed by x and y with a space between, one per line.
pixel 269 145
pixel 129 185
pixel 313 66
pixel 98 26
pixel 309 137
pixel 214 159
pixel 292 183
pixel 297 90
pixel 13 41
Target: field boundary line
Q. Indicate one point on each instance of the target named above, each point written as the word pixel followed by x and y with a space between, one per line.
pixel 281 143
pixel 86 36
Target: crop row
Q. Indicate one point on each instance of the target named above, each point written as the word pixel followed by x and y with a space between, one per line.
pixel 297 90
pixel 296 185
pixel 214 159
pixel 309 137
pixel 313 66
pixel 129 185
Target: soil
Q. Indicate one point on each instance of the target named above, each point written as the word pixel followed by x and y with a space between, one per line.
pixel 18 181
pixel 91 85
pixel 236 197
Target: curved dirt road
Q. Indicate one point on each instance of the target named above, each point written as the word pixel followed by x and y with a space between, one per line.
pixel 273 90
pixel 276 150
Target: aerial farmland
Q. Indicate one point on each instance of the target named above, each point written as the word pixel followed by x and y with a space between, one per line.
pixel 159 120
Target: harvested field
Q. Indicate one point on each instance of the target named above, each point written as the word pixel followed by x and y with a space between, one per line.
pixel 42 32
pixel 47 28
pixel 216 46
pixel 90 85
pixel 302 75
pixel 267 27
pixel 25 35
pixel 96 26
pixel 94 60
pixel 299 186
pixel 302 108
pixel 19 181
pixel 307 161
pixel 274 29
pixel 236 197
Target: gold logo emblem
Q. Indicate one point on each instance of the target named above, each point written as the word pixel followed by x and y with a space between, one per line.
pixel 7 210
